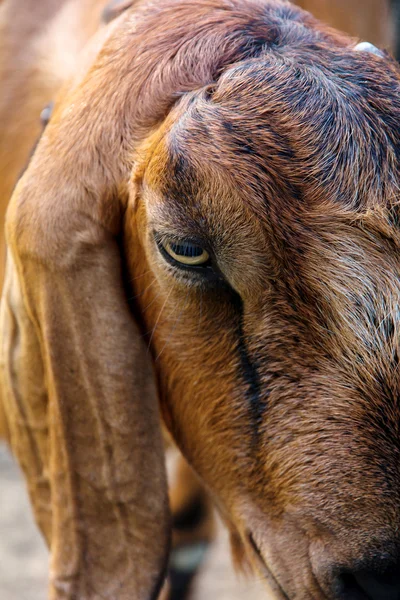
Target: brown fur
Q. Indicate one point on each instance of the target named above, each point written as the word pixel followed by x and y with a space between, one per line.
pixel 253 128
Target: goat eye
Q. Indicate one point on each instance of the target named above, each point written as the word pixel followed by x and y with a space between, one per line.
pixel 186 253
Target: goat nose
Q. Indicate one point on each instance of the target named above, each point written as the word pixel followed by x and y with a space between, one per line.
pixel 382 584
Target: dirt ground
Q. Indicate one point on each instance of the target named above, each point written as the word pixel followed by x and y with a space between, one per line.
pixel 23 555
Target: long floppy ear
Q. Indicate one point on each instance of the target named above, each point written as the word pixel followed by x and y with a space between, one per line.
pixel 78 385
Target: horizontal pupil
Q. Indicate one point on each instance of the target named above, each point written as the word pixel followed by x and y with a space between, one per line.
pixel 186 250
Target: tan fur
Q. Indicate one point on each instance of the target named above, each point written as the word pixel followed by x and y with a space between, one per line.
pixel 254 128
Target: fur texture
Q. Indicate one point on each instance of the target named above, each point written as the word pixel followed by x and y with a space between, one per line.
pixel 252 130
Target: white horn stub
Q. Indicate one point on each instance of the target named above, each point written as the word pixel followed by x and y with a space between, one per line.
pixel 367 47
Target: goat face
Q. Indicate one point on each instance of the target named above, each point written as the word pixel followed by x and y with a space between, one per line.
pixel 261 241
pixel 266 274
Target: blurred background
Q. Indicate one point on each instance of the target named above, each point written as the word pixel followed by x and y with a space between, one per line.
pixel 23 555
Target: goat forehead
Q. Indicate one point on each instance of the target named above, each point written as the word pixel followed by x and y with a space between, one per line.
pixel 335 274
pixel 322 131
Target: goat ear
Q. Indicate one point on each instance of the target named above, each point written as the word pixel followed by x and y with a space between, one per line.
pixel 78 384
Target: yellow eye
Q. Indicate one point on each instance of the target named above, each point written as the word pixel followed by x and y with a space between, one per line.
pixel 186 253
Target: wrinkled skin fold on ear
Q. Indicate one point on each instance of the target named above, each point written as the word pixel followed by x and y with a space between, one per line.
pixel 83 415
pixel 84 425
pixel 78 386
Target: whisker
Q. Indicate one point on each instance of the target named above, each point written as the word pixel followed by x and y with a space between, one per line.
pixel 158 318
pixel 169 336
pixel 151 302
pixel 139 276
pixel 173 329
pixel 142 292
pixel 147 333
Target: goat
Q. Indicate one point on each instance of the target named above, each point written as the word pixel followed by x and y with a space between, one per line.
pixel 218 183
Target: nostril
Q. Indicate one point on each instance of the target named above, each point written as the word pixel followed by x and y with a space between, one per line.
pixel 372 585
pixel 383 585
pixel 350 588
